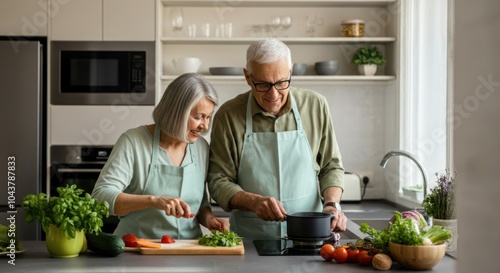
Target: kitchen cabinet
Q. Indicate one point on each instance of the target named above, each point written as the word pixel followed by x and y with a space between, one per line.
pixel 309 40
pixel 24 18
pixel 94 125
pixel 103 20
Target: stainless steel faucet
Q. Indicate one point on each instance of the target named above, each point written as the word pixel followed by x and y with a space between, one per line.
pixel 410 156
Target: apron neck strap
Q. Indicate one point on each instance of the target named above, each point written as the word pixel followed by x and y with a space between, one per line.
pixel 296 115
pixel 156 145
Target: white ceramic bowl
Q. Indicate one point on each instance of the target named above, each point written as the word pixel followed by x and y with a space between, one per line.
pixel 417 257
pixel 186 65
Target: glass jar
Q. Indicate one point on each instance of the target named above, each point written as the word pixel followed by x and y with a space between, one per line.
pixel 353 28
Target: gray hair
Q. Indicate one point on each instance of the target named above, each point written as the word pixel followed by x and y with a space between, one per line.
pixel 268 51
pixel 171 115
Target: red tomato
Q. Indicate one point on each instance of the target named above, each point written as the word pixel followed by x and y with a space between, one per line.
pixel 326 252
pixel 130 240
pixel 165 239
pixel 352 255
pixel 365 258
pixel 340 255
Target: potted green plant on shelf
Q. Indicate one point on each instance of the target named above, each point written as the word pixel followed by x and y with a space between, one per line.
pixel 66 218
pixel 440 205
pixel 368 57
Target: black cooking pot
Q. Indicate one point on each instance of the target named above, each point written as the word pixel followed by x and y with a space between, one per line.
pixel 313 225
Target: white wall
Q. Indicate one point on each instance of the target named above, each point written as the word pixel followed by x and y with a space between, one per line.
pixel 477 132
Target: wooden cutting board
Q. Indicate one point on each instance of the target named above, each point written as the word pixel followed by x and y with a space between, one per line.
pixel 188 247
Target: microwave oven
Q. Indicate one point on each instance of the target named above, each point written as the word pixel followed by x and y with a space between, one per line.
pixel 103 73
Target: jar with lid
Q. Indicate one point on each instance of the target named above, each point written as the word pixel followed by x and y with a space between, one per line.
pixel 353 28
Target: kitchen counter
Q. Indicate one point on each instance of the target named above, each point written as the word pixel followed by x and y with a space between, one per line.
pixel 37 259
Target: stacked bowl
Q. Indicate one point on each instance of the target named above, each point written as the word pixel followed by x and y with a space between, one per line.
pixel 326 67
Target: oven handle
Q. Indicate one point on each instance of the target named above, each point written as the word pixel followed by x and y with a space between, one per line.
pixel 67 170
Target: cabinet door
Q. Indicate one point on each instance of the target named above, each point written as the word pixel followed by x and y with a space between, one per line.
pixel 76 20
pixel 129 20
pixel 24 18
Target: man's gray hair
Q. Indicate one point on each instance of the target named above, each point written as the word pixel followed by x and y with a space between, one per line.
pixel 268 51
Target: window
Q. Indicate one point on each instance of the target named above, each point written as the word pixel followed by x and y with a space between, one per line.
pixel 424 96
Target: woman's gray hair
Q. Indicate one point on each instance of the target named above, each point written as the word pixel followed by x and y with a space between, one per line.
pixel 268 51
pixel 171 115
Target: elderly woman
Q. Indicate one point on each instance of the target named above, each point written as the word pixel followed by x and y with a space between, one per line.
pixel 155 176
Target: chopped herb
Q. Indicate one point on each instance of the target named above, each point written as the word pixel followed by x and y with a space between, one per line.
pixel 220 238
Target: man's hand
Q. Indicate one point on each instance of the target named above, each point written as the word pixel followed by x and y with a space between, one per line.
pixel 339 221
pixel 269 209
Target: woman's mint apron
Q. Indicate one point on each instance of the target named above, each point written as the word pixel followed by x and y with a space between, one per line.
pixel 186 182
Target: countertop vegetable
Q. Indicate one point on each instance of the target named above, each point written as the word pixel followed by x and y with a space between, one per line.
pixel 5 237
pixel 381 261
pixel 406 231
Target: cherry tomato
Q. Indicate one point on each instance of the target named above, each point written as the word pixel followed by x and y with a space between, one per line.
pixel 364 258
pixel 326 252
pixel 340 255
pixel 352 255
pixel 130 240
pixel 165 239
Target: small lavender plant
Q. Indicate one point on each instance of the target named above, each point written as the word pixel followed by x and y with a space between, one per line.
pixel 440 202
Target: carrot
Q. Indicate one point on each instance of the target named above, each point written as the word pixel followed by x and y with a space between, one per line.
pixel 147 243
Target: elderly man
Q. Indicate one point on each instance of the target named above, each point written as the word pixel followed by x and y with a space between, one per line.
pixel 271 146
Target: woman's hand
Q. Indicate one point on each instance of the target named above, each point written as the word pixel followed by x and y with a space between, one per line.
pixel 213 222
pixel 173 206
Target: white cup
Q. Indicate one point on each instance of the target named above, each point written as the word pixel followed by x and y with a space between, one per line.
pixel 192 30
pixel 205 30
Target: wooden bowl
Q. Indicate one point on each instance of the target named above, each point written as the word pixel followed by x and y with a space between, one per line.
pixel 417 257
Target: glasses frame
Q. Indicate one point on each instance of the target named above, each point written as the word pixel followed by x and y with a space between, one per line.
pixel 271 85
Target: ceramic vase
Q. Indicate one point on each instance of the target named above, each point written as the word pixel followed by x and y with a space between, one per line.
pixel 367 69
pixel 60 246
pixel 450 224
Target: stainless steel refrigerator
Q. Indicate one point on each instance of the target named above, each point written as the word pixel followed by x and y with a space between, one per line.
pixel 23 133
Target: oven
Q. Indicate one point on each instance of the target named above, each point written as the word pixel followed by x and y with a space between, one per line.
pixel 80 166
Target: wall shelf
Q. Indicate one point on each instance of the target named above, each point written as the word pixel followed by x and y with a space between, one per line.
pixel 299 79
pixel 279 3
pixel 291 40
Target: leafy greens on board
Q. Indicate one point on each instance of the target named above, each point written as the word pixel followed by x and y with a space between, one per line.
pixel 220 238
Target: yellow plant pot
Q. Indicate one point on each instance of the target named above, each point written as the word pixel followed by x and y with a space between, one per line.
pixel 59 246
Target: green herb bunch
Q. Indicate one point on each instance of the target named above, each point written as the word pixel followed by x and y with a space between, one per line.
pixel 71 211
pixel 220 238
pixel 368 54
pixel 440 202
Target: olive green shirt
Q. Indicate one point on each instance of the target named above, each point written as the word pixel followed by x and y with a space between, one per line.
pixel 228 132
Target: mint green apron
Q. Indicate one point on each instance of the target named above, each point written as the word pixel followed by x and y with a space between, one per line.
pixel 277 164
pixel 187 182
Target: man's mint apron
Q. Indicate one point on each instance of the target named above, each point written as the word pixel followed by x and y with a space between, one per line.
pixel 277 164
pixel 186 182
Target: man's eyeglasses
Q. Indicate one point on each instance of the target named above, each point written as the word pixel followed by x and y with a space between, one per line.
pixel 266 86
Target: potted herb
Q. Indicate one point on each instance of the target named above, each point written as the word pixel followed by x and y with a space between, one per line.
pixel 66 218
pixel 367 57
pixel 440 205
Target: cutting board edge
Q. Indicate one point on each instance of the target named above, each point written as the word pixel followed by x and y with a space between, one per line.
pixel 164 251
